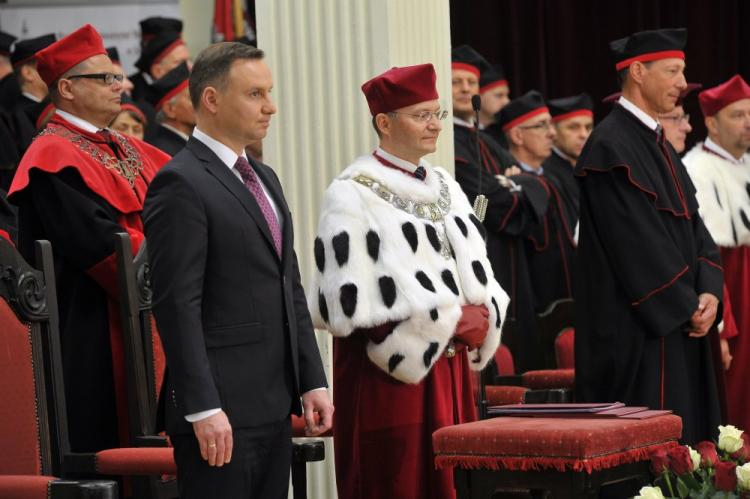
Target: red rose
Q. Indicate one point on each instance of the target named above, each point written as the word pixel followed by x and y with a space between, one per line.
pixel 743 454
pixel 680 461
pixel 707 450
pixel 725 478
pixel 659 462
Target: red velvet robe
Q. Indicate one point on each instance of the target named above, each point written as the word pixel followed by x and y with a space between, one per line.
pixel 68 196
pixel 383 430
pixel 736 263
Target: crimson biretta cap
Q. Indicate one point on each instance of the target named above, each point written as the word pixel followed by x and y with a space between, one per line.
pixel 400 87
pixel 468 59
pixel 646 46
pixel 568 107
pixel 521 109
pixel 53 61
pixel 715 99
pixel 24 50
pixel 168 86
pixel 492 78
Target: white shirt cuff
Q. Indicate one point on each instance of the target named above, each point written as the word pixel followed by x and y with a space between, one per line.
pixel 316 390
pixel 195 417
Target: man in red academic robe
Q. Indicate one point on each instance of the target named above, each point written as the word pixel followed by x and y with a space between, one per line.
pixel 720 169
pixel 405 286
pixel 78 185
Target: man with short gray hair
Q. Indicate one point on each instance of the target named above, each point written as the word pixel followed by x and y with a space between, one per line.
pixel 228 301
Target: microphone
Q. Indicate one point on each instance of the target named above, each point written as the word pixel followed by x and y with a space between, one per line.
pixel 480 202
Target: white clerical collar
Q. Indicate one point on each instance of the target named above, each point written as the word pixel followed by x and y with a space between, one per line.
pixel 225 154
pixel 720 151
pixel 563 155
pixel 31 97
pixel 531 169
pixel 459 121
pixel 180 133
pixel 638 113
pixel 401 163
pixel 79 122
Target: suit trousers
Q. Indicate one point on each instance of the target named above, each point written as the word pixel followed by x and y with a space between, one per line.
pixel 260 465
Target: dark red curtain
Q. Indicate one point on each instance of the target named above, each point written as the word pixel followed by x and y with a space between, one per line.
pixel 560 47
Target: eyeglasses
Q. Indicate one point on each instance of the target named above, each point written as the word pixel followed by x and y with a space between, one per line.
pixel 107 78
pixel 425 116
pixel 542 125
pixel 676 120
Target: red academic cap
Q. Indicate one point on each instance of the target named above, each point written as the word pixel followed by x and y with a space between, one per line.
pixel 400 87
pixel 468 59
pixel 646 46
pixel 715 99
pixel 569 107
pixel 53 61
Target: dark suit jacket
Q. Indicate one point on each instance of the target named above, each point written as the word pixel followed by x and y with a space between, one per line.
pixel 232 315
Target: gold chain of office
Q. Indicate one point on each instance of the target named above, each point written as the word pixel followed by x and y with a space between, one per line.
pixel 128 168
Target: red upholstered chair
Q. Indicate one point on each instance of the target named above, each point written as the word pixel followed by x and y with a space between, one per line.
pixel 27 460
pixel 558 316
pixel 565 348
pixel 569 457
pixel 504 361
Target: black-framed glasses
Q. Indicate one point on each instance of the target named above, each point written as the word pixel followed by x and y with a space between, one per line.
pixel 676 119
pixel 107 78
pixel 425 116
pixel 542 125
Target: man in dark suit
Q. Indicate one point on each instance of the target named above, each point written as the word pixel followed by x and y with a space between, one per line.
pixel 228 300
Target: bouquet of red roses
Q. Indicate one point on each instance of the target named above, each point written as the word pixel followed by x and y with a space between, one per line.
pixel 710 471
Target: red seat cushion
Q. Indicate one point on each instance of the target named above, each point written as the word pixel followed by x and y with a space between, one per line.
pixel 503 395
pixel 549 378
pixel 136 461
pixel 534 443
pixel 24 486
pixel 504 361
pixel 565 348
pixel 19 429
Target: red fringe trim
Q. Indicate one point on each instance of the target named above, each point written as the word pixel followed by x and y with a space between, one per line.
pixel 562 464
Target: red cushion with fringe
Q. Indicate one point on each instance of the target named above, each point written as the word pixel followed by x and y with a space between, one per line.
pixel 553 443
pixel 136 461
pixel 565 348
pixel 24 486
pixel 549 378
pixel 504 395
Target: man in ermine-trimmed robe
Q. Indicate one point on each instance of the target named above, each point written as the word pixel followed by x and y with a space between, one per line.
pixel 720 170
pixel 77 186
pixel 649 279
pixel 405 287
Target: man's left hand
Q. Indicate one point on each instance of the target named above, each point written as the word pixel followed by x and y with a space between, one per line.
pixel 317 401
pixel 704 317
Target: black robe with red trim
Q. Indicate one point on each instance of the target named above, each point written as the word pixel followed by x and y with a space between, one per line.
pixel 510 217
pixel 66 196
pixel 551 245
pixel 644 256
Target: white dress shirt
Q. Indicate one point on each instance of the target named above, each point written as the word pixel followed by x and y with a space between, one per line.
pixel 638 112
pixel 79 122
pixel 717 149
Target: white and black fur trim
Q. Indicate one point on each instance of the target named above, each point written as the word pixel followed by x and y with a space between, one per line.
pixel 723 194
pixel 378 264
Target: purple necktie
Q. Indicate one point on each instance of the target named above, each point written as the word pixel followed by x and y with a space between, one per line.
pixel 251 182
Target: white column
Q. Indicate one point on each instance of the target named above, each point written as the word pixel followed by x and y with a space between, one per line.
pixel 320 52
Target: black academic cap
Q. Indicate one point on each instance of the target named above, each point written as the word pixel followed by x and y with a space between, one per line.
pixel 168 86
pixel 128 104
pixel 114 54
pixel 493 77
pixel 646 46
pixel 691 87
pixel 521 109
pixel 6 40
pixel 25 49
pixel 567 107
pixel 465 57
pixel 156 48
pixel 154 26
